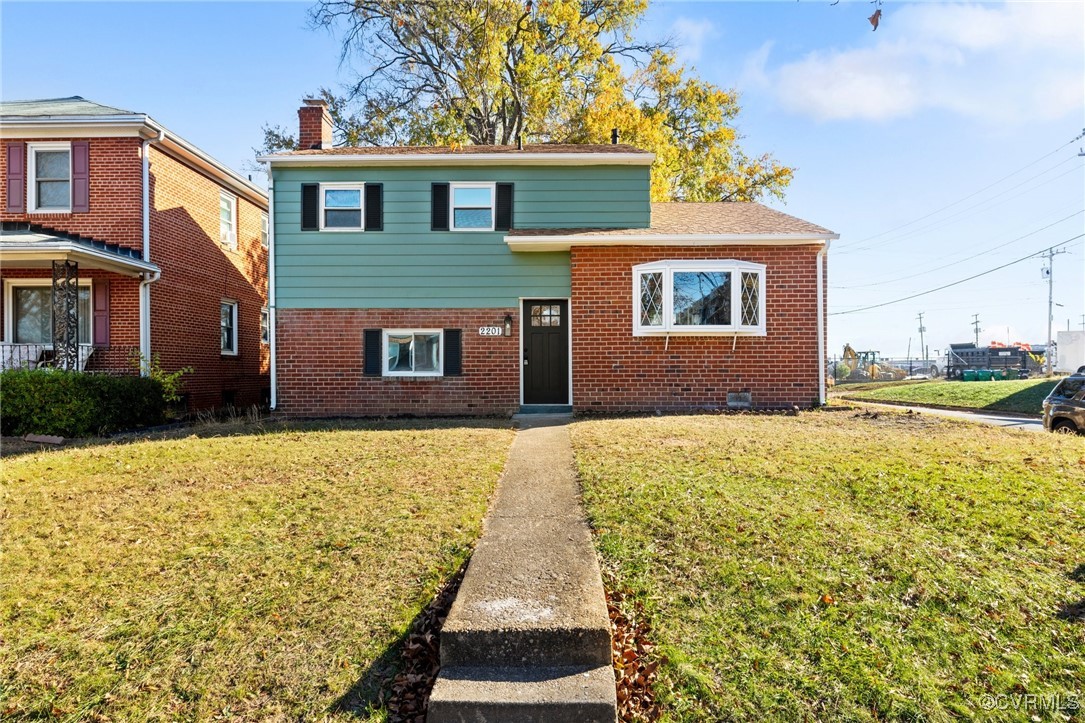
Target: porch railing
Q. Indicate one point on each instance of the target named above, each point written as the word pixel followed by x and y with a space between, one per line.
pixel 33 356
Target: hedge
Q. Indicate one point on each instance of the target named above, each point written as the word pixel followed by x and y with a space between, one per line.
pixel 75 404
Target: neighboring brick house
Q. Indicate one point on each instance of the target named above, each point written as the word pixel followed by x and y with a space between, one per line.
pixel 117 236
pixel 488 279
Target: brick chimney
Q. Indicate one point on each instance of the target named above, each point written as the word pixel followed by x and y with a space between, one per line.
pixel 314 124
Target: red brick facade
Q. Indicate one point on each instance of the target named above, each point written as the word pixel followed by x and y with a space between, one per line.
pixel 320 371
pixel 197 271
pixel 320 359
pixel 613 371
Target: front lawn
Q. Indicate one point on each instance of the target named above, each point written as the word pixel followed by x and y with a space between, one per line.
pixel 1025 396
pixel 253 576
pixel 845 566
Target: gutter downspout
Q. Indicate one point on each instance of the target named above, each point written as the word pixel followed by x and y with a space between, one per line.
pixel 151 277
pixel 822 253
pixel 271 288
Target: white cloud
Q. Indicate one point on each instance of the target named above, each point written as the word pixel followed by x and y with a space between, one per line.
pixel 690 37
pixel 1006 63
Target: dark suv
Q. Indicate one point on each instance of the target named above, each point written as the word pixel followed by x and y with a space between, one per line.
pixel 1064 408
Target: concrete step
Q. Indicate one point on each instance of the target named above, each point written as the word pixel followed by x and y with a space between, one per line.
pixel 523 695
pixel 532 595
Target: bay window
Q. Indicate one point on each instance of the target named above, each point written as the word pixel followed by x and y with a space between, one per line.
pixel 699 297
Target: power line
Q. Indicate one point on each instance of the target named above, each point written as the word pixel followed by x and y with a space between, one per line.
pixel 980 207
pixel 956 283
pixel 961 261
pixel 916 220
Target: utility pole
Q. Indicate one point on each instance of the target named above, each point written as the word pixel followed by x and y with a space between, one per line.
pixel 1049 272
pixel 922 346
pixel 976 325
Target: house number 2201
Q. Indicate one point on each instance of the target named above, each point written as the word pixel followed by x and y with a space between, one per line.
pixel 490 331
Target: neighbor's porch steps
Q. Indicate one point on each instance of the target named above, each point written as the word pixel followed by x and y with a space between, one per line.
pixel 528 637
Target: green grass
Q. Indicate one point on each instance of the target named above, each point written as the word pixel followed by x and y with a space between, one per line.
pixel 833 566
pixel 1015 395
pixel 254 576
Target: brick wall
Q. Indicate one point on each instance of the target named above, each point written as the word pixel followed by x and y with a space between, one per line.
pixel 115 187
pixel 320 365
pixel 198 273
pixel 614 371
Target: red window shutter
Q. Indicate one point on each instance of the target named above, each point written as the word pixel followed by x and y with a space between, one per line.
pixel 80 176
pixel 101 313
pixel 16 180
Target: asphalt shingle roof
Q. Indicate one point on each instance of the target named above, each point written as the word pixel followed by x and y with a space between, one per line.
pixel 58 107
pixel 466 150
pixel 679 217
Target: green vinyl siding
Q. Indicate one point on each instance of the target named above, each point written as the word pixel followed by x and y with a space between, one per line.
pixel 408 266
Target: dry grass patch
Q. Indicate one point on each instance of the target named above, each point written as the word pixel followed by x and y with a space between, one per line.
pixel 833 566
pixel 254 576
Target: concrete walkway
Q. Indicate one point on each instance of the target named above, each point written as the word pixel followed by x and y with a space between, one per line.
pixel 1006 421
pixel 528 637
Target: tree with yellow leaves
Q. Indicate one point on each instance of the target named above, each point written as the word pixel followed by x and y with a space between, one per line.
pixel 445 72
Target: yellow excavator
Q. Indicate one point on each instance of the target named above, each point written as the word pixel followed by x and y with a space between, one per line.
pixel 868 366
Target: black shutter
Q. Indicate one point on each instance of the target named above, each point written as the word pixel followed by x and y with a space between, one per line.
pixel 374 207
pixel 439 215
pixel 372 343
pixel 310 206
pixel 503 210
pixel 453 353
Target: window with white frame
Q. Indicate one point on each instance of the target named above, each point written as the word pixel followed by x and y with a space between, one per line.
pixel 472 206
pixel 263 229
pixel 265 326
pixel 228 327
pixel 413 352
pixel 228 220
pixel 341 206
pixel 28 311
pixel 699 297
pixel 49 181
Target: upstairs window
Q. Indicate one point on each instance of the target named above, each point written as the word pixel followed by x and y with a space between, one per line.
pixel 228 220
pixel 699 297
pixel 263 230
pixel 472 206
pixel 50 181
pixel 341 206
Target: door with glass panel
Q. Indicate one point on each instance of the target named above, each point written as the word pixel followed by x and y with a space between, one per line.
pixel 546 352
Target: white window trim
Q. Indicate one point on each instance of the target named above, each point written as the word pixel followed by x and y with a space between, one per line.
pixel 669 267
pixel 237 331
pixel 344 186
pixel 31 175
pixel 265 229
pixel 492 186
pixel 231 242
pixel 9 307
pixel 265 325
pixel 385 333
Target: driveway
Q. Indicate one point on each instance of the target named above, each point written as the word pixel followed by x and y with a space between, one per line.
pixel 995 419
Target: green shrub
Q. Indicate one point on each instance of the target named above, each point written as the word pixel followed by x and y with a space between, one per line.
pixel 74 404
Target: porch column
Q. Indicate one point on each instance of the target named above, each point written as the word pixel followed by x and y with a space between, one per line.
pixel 65 299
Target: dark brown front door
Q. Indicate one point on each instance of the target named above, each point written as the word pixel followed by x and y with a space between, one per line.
pixel 546 352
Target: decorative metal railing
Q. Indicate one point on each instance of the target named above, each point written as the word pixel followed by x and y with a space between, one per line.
pixel 33 356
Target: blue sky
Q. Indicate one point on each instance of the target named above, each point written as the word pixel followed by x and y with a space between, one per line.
pixel 938 146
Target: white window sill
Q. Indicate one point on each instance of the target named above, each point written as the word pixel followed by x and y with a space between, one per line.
pixel 50 210
pixel 707 332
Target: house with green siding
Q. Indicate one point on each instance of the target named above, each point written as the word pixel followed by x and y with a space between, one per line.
pixel 492 279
